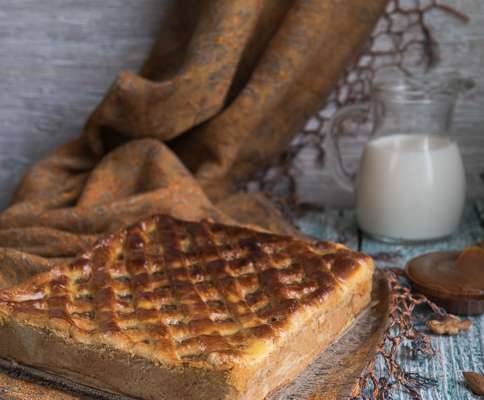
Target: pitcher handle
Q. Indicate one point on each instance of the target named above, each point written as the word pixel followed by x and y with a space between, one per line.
pixel 354 112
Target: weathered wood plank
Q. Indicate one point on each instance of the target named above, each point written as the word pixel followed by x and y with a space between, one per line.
pixel 454 354
pixel 480 209
pixel 334 225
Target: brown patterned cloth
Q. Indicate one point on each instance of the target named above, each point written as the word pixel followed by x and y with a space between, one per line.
pixel 225 88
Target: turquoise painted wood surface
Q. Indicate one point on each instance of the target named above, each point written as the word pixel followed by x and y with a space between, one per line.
pixel 454 354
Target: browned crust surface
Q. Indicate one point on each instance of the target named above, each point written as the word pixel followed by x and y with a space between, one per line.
pixel 187 309
pixel 114 371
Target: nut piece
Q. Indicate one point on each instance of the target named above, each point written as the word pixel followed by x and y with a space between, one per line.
pixel 451 325
pixel 475 382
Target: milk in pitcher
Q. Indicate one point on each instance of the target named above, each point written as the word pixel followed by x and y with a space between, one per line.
pixel 410 187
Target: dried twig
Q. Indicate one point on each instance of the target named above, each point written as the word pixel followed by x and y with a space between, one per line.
pixel 380 383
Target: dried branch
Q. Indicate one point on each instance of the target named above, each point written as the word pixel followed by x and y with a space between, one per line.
pixel 379 383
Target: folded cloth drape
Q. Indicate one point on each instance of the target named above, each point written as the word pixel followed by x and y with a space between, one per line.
pixel 226 86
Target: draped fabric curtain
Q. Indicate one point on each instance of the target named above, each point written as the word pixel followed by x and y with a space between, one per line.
pixel 225 88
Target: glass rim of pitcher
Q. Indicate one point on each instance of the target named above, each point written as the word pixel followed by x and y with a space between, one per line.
pixel 424 88
pixel 406 93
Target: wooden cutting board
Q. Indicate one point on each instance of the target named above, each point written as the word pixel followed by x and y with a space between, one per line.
pixel 331 377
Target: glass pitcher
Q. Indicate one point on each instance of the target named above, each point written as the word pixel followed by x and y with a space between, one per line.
pixel 410 185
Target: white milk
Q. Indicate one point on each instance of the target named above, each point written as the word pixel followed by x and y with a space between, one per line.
pixel 410 187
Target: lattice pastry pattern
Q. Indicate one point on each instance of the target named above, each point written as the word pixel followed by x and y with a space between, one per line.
pixel 185 292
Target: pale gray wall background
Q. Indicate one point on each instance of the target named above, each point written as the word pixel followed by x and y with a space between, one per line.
pixel 57 58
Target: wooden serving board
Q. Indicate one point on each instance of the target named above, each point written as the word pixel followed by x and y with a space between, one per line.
pixel 331 377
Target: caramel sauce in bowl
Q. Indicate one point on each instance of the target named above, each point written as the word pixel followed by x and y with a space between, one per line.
pixel 452 279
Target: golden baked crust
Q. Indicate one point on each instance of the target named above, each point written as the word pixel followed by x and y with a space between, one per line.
pixel 194 296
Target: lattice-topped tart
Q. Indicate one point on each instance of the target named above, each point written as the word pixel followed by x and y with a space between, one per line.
pixel 169 309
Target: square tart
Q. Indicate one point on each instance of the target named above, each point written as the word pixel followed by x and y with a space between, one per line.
pixel 169 309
